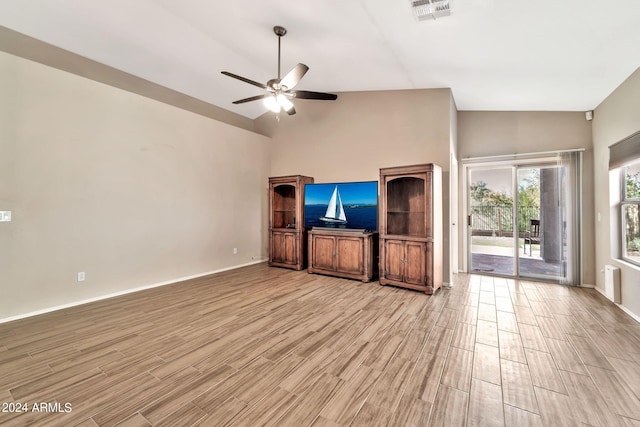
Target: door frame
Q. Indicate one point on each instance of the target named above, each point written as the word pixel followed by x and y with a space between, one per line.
pixel 467 205
pixel 513 161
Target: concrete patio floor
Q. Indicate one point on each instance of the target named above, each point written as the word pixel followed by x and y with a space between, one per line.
pixel 496 259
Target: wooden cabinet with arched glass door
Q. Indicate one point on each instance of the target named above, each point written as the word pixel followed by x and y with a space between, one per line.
pixel 287 235
pixel 411 227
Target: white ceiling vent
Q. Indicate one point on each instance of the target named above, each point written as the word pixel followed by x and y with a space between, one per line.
pixel 431 9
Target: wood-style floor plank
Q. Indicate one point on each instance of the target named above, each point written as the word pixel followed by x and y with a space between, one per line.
pixel 550 328
pixel 306 409
pixel 532 337
pixel 484 366
pixel 589 352
pixel 268 410
pixel 457 371
pixel 464 336
pixel 511 347
pixel 487 333
pixel 618 395
pixel 136 420
pixel 565 356
pixel 544 372
pixel 516 417
pixel 517 386
pixel 450 407
pixel 269 346
pixel 485 404
pixel 629 372
pixel 556 408
pixel 590 407
pixel 411 412
pixel 425 380
pixel 344 405
pixel 507 322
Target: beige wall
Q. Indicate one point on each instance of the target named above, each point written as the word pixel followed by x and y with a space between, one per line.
pixel 44 53
pixel 132 191
pixel 352 138
pixel 617 117
pixel 495 133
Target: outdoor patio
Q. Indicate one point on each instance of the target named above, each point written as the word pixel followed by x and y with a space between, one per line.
pixel 494 255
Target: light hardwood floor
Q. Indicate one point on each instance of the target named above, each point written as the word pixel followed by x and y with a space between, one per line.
pixel 269 346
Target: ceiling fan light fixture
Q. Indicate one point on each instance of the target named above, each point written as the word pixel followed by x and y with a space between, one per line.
pixel 272 104
pixel 284 102
pixel 279 90
pixel 431 9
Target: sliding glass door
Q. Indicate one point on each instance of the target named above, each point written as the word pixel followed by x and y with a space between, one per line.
pixel 491 220
pixel 542 244
pixel 522 219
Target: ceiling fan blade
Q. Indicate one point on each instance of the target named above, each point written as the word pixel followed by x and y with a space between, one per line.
pixel 244 79
pixel 293 77
pixel 253 98
pixel 305 94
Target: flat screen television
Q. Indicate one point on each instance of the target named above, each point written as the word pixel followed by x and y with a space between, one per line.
pixel 342 205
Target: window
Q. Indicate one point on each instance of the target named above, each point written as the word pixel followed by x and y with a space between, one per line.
pixel 630 213
pixel 624 159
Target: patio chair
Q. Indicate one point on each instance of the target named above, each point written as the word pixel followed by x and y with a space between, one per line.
pixel 532 236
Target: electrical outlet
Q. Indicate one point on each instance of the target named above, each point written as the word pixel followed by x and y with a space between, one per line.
pixel 80 276
pixel 5 216
pixel 235 251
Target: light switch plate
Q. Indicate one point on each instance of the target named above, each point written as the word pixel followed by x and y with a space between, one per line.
pixel 5 216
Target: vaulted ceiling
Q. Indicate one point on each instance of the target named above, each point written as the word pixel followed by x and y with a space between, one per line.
pixel 549 55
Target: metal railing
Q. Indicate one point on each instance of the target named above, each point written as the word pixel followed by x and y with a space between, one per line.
pixel 487 220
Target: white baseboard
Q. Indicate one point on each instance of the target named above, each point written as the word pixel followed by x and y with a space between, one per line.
pixel 126 291
pixel 626 310
pixel 622 307
pixel 587 285
pixel 601 292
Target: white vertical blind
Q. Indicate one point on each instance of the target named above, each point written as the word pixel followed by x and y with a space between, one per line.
pixel 570 200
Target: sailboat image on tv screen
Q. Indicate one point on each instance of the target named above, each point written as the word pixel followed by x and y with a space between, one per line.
pixel 335 210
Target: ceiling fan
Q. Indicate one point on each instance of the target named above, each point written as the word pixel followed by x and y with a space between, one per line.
pixel 279 91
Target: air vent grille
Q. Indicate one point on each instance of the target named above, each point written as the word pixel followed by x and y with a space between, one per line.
pixel 431 9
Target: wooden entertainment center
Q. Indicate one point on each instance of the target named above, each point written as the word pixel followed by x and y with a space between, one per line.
pixel 349 254
pixel 409 244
